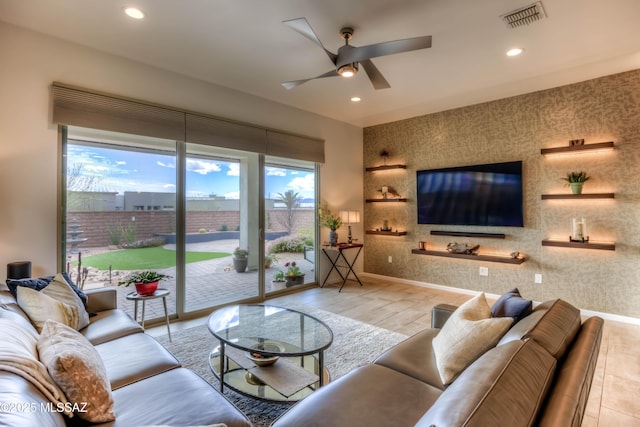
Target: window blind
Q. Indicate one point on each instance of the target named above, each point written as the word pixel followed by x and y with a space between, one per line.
pixel 89 109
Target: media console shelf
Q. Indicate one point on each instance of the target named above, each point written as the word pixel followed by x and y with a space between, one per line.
pixel 578 196
pixel 488 258
pixel 580 245
pixel 467 234
pixel 387 233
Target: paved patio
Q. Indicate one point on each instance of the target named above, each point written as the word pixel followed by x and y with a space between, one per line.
pixel 209 283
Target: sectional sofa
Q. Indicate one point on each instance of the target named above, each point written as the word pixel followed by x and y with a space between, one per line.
pixel 148 385
pixel 539 373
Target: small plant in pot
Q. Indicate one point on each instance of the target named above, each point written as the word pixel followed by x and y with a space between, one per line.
pixel 240 259
pixel 293 275
pixel 332 222
pixel 576 181
pixel 146 282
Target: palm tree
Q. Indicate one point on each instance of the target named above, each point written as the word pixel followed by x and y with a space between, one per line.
pixel 291 201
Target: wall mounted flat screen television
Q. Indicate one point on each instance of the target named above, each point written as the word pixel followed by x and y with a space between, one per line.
pixel 482 195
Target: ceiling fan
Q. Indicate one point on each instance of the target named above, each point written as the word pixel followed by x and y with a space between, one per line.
pixel 349 58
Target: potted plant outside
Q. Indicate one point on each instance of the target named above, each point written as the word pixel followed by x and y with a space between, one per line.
pixel 240 259
pixel 576 181
pixel 269 259
pixel 278 281
pixel 293 275
pixel 332 222
pixel 146 282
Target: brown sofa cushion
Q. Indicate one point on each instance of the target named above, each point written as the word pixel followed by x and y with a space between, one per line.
pixel 553 325
pixel 504 387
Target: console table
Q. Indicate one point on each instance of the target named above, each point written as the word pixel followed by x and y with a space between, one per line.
pixel 337 258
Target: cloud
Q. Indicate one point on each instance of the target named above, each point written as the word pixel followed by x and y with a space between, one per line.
pixel 166 165
pixel 303 183
pixel 234 169
pixel 232 195
pixel 203 167
pixel 271 171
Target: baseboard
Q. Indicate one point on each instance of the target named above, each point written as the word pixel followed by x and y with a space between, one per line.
pixel 586 313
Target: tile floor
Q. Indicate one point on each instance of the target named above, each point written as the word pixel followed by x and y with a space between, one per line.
pixel 614 398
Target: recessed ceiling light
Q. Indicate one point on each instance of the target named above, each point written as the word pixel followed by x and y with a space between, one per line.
pixel 515 51
pixel 133 12
pixel 355 99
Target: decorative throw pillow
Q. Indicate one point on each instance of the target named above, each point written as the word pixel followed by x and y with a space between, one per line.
pixel 39 284
pixel 41 307
pixel 61 290
pixel 511 304
pixel 469 332
pixel 75 365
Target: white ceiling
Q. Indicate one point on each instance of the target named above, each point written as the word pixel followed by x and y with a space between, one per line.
pixel 242 44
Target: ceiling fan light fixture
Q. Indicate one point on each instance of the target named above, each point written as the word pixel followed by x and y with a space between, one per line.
pixel 134 12
pixel 515 51
pixel 348 70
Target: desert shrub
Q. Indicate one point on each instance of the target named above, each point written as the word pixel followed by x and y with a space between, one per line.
pixel 145 243
pixel 295 243
pixel 224 227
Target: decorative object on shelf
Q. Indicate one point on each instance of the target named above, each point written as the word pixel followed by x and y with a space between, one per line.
pixel 350 217
pixel 576 180
pixel 514 254
pixel 574 142
pixel 332 222
pixel 579 230
pixel 422 245
pixel 463 248
pixel 293 275
pixel 240 259
pixel 385 225
pixel 146 282
pixel 384 154
pixel 389 191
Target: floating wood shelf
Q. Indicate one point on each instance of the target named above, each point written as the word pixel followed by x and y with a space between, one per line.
pixel 577 148
pixel 579 196
pixel 578 245
pixel 489 258
pixel 385 168
pixel 385 200
pixel 467 234
pixel 387 233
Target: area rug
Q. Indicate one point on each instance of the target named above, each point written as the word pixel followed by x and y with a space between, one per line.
pixel 354 344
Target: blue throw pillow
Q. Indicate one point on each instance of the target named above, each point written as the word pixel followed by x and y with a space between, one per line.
pixel 511 304
pixel 41 283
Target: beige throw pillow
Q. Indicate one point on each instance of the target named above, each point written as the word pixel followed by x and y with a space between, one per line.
pixel 41 307
pixel 467 334
pixel 75 365
pixel 62 291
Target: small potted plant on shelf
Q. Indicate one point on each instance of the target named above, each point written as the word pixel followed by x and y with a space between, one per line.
pixel 576 181
pixel 293 275
pixel 146 282
pixel 240 259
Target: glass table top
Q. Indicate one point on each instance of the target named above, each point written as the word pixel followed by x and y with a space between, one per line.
pixel 265 328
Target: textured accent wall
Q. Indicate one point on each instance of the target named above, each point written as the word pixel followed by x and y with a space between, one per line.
pixel 604 109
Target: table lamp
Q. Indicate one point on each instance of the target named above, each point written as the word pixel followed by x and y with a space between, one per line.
pixel 350 217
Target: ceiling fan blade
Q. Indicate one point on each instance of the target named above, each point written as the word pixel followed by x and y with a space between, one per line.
pixel 359 54
pixel 301 25
pixel 377 79
pixel 296 83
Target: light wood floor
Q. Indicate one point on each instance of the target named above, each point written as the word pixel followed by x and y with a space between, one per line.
pixel 614 398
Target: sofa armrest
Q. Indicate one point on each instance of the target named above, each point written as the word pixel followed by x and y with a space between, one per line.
pixel 101 299
pixel 440 313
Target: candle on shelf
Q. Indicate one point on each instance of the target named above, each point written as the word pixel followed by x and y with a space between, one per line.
pixel 385 190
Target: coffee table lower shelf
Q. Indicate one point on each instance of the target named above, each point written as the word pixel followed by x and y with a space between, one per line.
pixel 287 381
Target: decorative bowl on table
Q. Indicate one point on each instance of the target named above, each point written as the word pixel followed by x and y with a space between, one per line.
pixel 260 358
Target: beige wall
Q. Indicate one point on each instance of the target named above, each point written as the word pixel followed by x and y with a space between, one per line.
pixel 29 148
pixel 605 109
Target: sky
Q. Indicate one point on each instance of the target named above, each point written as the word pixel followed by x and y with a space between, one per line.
pixel 115 170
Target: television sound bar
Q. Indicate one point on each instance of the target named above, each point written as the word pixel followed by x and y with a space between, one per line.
pixel 467 234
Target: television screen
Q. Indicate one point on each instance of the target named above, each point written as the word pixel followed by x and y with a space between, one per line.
pixel 488 195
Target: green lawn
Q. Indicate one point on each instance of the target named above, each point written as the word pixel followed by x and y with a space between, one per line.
pixel 144 259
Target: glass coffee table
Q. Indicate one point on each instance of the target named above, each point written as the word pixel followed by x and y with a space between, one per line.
pixel 268 352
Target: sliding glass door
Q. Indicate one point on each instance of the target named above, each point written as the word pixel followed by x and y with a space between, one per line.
pixel 222 215
pixel 220 223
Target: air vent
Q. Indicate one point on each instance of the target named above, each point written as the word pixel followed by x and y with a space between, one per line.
pixel 524 16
